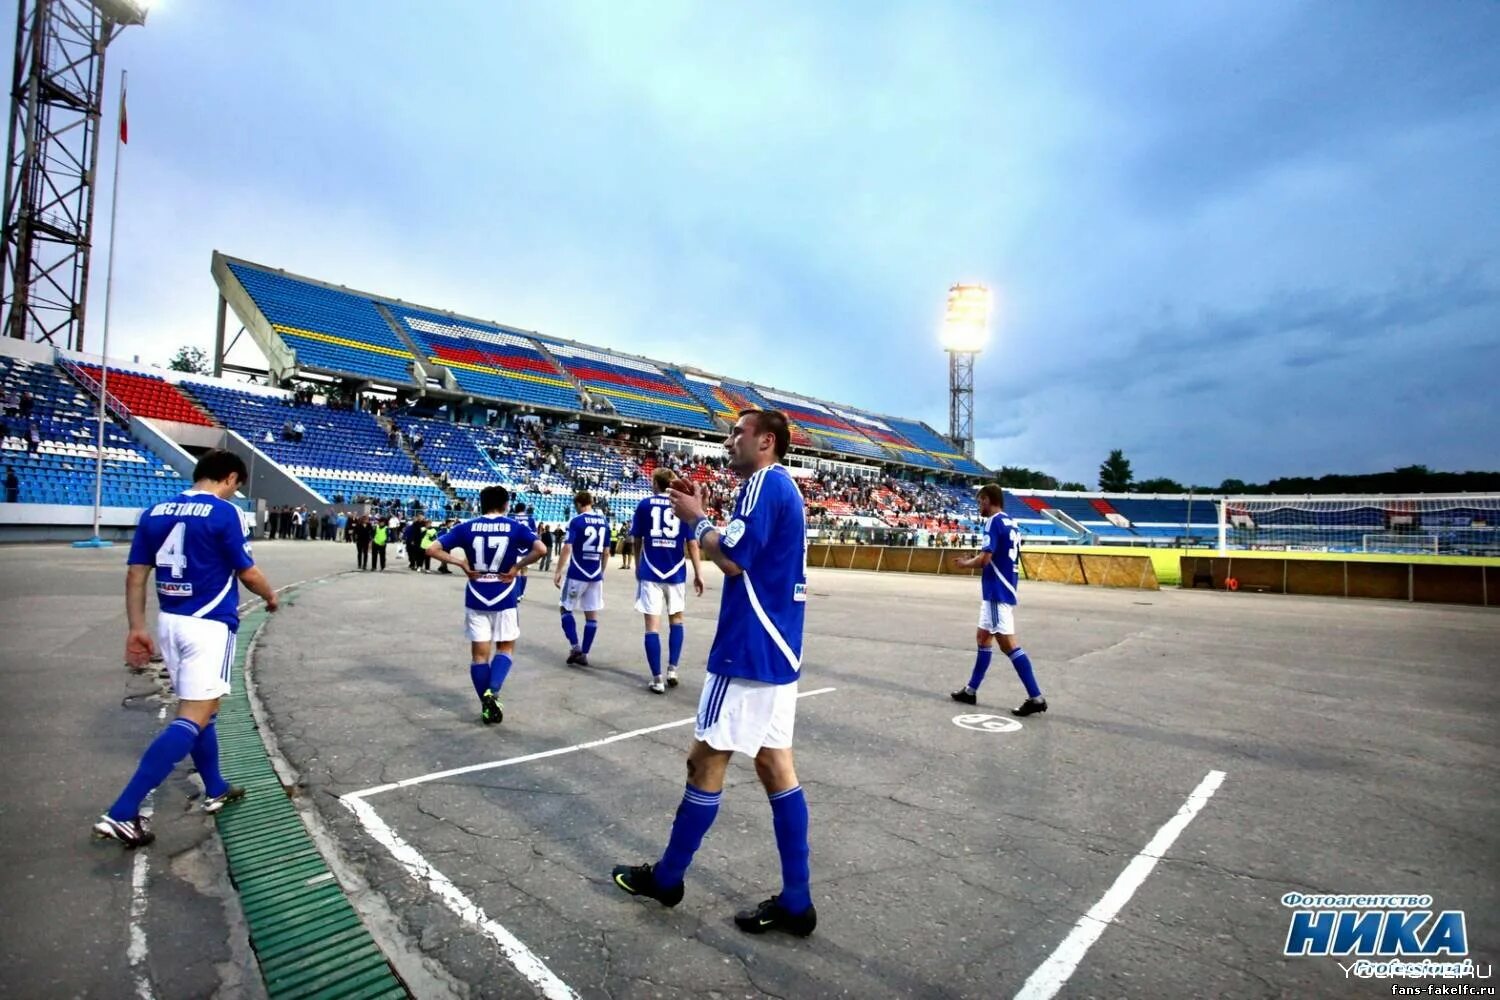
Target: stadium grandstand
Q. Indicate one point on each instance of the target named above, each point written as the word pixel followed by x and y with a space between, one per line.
pixel 416 408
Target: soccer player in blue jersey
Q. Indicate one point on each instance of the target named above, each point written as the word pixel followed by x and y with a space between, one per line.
pixel 585 552
pixel 998 582
pixel 196 544
pixel 749 701
pixel 492 550
pixel 662 552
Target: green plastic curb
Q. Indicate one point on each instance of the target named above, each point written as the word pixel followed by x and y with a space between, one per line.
pixel 307 937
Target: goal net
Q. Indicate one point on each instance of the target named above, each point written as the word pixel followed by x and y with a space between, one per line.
pixel 1392 541
pixel 1462 524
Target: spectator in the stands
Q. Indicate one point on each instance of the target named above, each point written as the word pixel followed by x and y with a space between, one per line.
pixel 288 433
pixel 33 437
pixel 299 430
pixel 27 402
pixel 12 486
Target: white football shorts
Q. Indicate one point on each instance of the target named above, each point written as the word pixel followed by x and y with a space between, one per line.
pixel 198 653
pixel 492 626
pixel 996 618
pixel 652 597
pixel 744 715
pixel 582 595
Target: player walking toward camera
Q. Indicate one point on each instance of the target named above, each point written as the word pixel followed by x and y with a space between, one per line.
pixel 492 550
pixel 749 700
pixel 997 560
pixel 662 551
pixel 585 552
pixel 196 544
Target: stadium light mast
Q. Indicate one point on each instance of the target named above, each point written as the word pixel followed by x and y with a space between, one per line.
pixel 53 158
pixel 966 324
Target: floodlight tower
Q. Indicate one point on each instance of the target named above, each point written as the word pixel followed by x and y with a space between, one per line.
pixel 53 159
pixel 965 327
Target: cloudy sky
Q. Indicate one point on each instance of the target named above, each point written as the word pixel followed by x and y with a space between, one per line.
pixel 1241 239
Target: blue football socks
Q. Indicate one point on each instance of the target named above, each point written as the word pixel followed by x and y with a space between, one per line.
pixel 789 818
pixel 981 667
pixel 206 759
pixel 170 746
pixel 570 629
pixel 653 653
pixel 675 635
pixel 499 670
pixel 1022 663
pixel 695 815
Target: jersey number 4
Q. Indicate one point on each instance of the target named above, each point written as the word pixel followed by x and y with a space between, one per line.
pixel 173 553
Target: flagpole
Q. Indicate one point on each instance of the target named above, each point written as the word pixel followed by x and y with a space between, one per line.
pixel 109 288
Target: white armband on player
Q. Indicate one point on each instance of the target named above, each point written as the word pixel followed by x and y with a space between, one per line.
pixel 703 527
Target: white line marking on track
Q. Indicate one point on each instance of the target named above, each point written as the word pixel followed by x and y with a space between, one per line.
pixel 523 958
pixel 1050 976
pixel 136 951
pixel 422 779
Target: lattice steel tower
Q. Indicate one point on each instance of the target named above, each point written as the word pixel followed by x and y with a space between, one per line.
pixel 965 326
pixel 52 163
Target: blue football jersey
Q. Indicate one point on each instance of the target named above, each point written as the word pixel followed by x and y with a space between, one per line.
pixel 197 543
pixel 663 542
pixel 492 544
pixel 760 616
pixel 588 534
pixel 1002 541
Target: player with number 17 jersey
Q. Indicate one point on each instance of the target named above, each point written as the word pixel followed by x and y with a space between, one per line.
pixel 492 550
pixel 492 543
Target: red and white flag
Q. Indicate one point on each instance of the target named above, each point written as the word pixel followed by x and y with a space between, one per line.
pixel 124 119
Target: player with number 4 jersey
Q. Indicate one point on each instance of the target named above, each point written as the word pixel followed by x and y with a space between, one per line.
pixel 196 545
pixel 585 551
pixel 662 550
pixel 492 550
pixel 998 562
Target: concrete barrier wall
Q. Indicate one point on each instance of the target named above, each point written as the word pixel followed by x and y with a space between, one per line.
pixel 885 558
pixel 1085 569
pixel 1393 581
pixel 1134 571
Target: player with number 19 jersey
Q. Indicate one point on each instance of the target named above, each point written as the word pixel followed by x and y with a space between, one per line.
pixel 663 542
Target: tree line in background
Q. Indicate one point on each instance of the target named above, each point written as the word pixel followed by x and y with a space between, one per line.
pixel 1116 476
